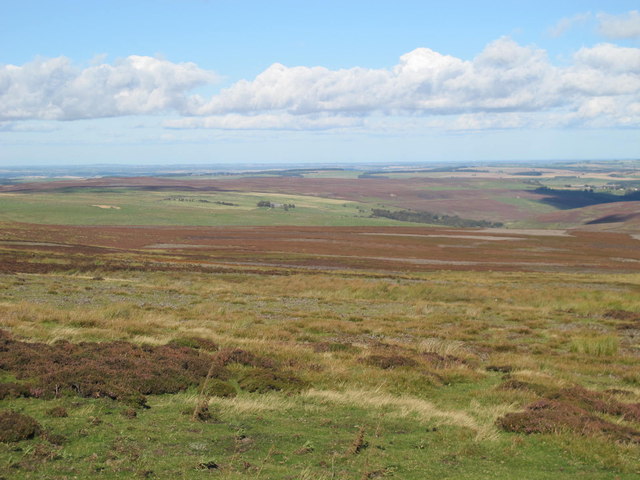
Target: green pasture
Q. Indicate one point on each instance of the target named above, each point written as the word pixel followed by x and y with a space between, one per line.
pixel 126 206
pixel 353 420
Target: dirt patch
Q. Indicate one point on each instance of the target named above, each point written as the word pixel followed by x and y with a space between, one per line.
pixel 529 232
pixel 33 244
pixel 113 207
pixel 622 315
pixel 168 246
pixel 470 237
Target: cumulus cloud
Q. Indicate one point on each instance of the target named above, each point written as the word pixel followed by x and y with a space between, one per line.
pixel 424 81
pixel 53 89
pixel 506 85
pixel 504 78
pixel 620 26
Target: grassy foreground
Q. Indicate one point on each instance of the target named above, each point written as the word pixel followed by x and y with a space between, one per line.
pixel 332 375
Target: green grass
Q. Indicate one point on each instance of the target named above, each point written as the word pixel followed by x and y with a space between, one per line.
pixel 137 207
pixel 271 437
pixel 603 345
pixel 524 204
pixel 426 422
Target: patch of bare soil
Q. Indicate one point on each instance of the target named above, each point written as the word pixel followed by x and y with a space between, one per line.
pixel 107 207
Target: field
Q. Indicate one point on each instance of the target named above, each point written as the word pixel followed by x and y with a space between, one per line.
pixel 179 338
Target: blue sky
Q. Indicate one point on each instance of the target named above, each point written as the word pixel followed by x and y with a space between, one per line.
pixel 263 82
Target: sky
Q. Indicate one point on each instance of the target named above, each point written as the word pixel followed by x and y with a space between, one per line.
pixel 271 82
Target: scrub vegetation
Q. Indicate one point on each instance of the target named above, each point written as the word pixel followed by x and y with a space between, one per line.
pixel 401 352
pixel 320 375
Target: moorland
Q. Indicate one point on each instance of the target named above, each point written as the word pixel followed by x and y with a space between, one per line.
pixel 307 323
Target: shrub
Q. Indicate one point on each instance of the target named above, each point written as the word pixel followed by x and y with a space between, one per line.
pixel 513 384
pixel 220 388
pixel 552 416
pixel 15 427
pixel 59 412
pixel 575 409
pixel 242 357
pixel 13 390
pixel 261 380
pixel 117 370
pixel 598 402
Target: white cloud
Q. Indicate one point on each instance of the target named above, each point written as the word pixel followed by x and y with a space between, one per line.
pixel 565 24
pixel 505 78
pixel 626 25
pixel 507 85
pixel 424 81
pixel 610 59
pixel 53 89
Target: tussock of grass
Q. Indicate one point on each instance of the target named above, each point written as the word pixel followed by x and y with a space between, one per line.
pixel 443 347
pixel 599 346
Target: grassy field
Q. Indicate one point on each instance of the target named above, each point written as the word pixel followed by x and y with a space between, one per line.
pixel 395 377
pixel 125 206
pixel 329 198
pixel 190 334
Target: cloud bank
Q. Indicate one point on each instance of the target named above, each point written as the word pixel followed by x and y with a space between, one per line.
pixel 506 86
pixel 53 89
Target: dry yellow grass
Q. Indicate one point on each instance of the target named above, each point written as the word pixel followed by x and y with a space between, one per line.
pixel 410 407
